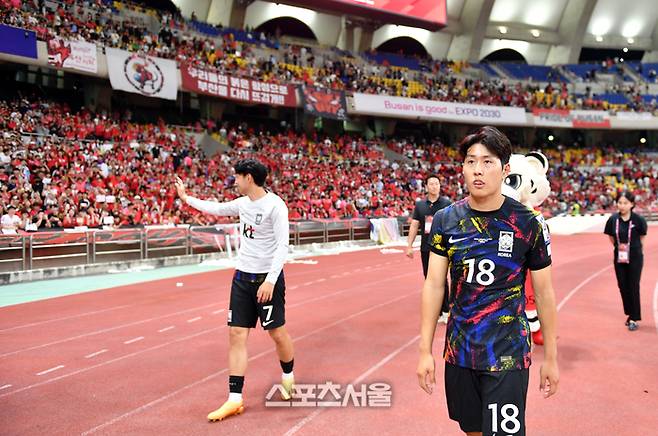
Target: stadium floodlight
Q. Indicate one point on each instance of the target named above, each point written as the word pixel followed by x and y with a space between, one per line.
pixel 551 138
pixel 643 140
pixel 536 33
pixel 502 29
pixel 630 40
pixel 599 38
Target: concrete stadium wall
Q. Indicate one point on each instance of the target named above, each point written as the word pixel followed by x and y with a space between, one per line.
pixel 327 28
pixel 436 43
pixel 535 54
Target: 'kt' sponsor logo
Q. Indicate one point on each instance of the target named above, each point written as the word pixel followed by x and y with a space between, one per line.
pixel 248 231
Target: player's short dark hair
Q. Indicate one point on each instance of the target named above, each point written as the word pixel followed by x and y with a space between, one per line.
pixel 257 170
pixel 628 195
pixel 493 139
pixel 431 176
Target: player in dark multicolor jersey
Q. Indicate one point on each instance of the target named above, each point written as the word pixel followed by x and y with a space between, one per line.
pixel 488 241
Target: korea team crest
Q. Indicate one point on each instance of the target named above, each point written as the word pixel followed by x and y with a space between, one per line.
pixel 505 243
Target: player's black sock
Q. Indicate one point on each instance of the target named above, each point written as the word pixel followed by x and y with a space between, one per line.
pixel 235 383
pixel 287 366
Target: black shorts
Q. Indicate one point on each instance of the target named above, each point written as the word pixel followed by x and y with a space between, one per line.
pixel 245 310
pixel 491 402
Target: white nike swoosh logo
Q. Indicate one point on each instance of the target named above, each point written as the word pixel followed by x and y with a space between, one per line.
pixel 452 240
pixel 265 324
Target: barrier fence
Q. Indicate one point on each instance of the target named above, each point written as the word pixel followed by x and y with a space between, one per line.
pixel 38 250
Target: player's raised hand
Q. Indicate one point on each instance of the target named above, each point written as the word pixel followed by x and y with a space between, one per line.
pixel 180 189
pixel 425 372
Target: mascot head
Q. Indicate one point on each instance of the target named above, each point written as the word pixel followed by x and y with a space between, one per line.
pixel 527 182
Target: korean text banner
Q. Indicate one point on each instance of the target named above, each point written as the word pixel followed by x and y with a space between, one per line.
pixel 210 82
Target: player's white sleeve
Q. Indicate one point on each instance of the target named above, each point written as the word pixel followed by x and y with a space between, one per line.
pixel 282 240
pixel 228 208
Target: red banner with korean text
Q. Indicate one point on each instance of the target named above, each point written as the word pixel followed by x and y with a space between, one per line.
pixel 211 82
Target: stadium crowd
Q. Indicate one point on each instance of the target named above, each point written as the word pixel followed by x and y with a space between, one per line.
pixel 260 57
pixel 61 169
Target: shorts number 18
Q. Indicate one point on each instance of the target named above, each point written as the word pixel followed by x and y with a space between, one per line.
pixel 509 412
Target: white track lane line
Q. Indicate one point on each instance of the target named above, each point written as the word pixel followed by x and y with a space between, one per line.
pixel 95 312
pixel 194 319
pixel 313 415
pixel 84 314
pixel 257 356
pixel 133 340
pixel 110 329
pixel 166 329
pixel 156 347
pixel 580 285
pixel 218 311
pixel 118 359
pixel 5 387
pixel 36 347
pixel 89 356
pixel 358 380
pixel 50 370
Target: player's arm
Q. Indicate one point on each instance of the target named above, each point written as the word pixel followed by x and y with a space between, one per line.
pixel 229 208
pixel 413 232
pixel 431 300
pixel 542 283
pixel 282 241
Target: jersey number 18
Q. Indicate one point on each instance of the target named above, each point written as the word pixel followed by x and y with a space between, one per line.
pixel 484 275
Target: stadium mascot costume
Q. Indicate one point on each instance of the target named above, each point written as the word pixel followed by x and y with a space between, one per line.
pixel 527 183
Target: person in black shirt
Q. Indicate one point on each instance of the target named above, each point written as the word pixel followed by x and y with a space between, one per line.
pixel 627 231
pixel 422 219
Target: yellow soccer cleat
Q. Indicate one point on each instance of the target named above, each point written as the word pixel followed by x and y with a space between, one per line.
pixel 288 386
pixel 229 408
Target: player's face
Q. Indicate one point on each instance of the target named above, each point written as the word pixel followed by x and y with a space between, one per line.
pixel 483 172
pixel 624 206
pixel 433 187
pixel 242 183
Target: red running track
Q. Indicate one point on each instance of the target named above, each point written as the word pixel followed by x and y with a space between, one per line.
pixel 150 358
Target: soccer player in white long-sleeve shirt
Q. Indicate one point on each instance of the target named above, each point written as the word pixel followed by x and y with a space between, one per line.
pixel 258 288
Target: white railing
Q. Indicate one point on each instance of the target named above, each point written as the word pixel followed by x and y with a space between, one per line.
pixel 28 251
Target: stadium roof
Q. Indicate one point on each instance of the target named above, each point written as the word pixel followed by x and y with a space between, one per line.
pixel 553 31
